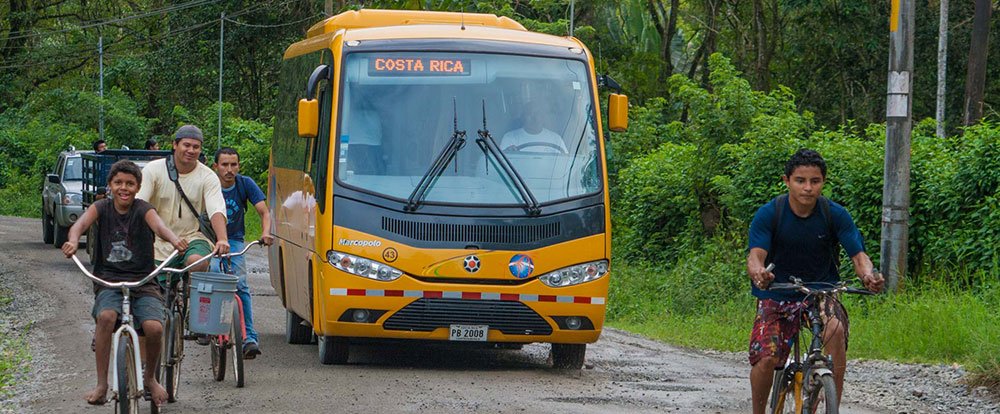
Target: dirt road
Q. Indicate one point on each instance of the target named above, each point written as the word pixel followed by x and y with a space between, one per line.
pixel 624 373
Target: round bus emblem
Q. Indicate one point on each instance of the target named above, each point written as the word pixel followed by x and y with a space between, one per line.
pixel 390 255
pixel 521 266
pixel 471 264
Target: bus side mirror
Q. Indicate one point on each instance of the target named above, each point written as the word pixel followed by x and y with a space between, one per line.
pixel 308 118
pixel 309 107
pixel 617 112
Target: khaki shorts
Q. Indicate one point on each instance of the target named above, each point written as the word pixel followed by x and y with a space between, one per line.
pixel 196 247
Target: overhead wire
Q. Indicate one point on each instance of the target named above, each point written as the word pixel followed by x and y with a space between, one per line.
pixel 83 53
pixel 87 25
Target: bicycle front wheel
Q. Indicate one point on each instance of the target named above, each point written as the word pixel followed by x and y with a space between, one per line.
pixel 236 338
pixel 823 396
pixel 782 392
pixel 173 351
pixel 128 393
pixel 218 351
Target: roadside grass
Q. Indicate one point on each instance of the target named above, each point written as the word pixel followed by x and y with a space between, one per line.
pixel 703 302
pixel 14 354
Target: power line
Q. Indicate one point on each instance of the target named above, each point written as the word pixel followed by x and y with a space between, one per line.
pixel 274 25
pixel 87 25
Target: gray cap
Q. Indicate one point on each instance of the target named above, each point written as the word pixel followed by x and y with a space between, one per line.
pixel 188 131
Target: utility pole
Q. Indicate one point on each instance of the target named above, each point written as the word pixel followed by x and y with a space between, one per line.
pixel 222 31
pixel 898 126
pixel 942 65
pixel 328 8
pixel 100 64
pixel 572 12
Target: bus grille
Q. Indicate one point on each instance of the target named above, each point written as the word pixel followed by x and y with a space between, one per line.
pixel 428 314
pixel 472 233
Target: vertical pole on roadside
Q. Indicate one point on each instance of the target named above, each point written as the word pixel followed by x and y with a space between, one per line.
pixel 222 31
pixel 942 66
pixel 328 8
pixel 100 93
pixel 898 127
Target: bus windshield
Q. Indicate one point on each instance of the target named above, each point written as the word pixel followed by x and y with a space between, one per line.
pixel 400 109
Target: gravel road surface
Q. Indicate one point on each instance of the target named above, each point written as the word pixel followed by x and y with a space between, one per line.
pixel 623 373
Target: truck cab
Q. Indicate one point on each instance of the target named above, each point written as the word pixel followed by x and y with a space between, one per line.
pixel 61 197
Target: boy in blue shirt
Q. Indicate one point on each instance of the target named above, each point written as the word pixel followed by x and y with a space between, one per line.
pixel 800 233
pixel 239 190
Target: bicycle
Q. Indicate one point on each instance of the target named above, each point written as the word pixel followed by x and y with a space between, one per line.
pixel 809 383
pixel 127 386
pixel 168 373
pixel 223 343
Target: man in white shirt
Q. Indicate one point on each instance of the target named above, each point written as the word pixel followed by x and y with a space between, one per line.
pixel 201 186
pixel 533 136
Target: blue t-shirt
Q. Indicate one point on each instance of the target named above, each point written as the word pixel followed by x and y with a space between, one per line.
pixel 802 246
pixel 237 196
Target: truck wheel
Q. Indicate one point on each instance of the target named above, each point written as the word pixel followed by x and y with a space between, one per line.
pixel 333 350
pixel 296 332
pixel 46 227
pixel 61 235
pixel 568 356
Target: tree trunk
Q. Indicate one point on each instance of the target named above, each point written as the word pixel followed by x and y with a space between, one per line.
pixel 762 76
pixel 975 79
pixel 667 30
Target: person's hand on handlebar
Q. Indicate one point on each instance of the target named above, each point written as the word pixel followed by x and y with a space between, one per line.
pixel 69 248
pixel 180 244
pixel 266 239
pixel 873 281
pixel 221 247
pixel 761 276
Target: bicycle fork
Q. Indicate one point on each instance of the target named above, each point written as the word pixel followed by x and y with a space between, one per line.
pixel 133 337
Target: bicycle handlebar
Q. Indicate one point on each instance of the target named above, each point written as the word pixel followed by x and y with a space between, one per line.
pixel 832 288
pixel 141 282
pixel 242 252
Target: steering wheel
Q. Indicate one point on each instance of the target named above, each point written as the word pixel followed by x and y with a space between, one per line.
pixel 540 144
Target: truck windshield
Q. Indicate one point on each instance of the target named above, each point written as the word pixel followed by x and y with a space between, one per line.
pixel 73 171
pixel 400 109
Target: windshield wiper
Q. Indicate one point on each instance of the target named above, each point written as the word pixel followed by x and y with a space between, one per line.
pixel 447 153
pixel 487 144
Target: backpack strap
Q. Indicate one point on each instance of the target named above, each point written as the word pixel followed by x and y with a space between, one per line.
pixel 173 176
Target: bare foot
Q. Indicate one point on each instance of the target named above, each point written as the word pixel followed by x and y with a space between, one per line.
pixel 156 391
pixel 98 396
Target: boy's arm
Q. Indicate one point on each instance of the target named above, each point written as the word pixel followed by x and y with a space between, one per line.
pixel 86 220
pixel 160 228
pixel 265 223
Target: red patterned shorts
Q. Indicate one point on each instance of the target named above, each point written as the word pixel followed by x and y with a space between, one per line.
pixel 778 323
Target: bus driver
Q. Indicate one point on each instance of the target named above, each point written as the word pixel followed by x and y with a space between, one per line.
pixel 533 136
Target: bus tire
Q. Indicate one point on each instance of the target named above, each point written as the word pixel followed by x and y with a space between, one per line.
pixel 296 332
pixel 568 356
pixel 333 350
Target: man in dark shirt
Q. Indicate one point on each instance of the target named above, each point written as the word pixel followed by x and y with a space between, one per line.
pixel 238 191
pixel 799 233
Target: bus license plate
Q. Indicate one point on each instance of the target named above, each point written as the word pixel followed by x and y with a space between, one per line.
pixel 468 332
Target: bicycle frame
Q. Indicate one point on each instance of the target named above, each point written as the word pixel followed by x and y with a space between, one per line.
pixel 805 377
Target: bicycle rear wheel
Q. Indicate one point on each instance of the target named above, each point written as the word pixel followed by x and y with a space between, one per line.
pixel 823 396
pixel 236 338
pixel 128 393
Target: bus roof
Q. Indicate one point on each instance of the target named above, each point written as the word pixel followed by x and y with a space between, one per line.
pixel 367 18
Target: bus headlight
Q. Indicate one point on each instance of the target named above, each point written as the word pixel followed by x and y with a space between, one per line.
pixel 575 275
pixel 360 266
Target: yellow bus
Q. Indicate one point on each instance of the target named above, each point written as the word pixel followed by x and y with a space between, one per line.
pixel 440 176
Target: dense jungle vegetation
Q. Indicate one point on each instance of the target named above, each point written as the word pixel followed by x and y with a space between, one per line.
pixel 721 91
